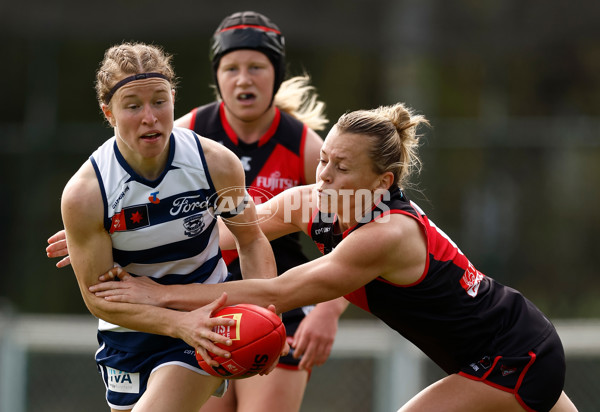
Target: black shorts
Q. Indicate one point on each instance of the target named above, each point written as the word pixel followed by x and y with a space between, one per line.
pixel 536 378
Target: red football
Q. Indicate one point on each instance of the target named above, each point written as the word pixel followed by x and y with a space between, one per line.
pixel 258 338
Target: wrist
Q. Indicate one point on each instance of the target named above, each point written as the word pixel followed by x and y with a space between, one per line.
pixel 166 298
pixel 333 307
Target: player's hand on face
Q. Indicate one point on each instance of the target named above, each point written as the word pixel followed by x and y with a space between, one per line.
pixel 130 289
pixel 58 248
pixel 197 329
pixel 314 339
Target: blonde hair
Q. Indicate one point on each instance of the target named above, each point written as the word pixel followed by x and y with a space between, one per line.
pixel 129 59
pixel 392 131
pixel 298 97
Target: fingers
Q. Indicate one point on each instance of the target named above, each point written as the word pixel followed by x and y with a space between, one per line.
pixel 311 350
pixel 108 289
pixel 286 348
pixel 306 358
pixel 109 282
pixel 58 236
pixel 64 262
pixel 213 323
pixel 308 361
pixel 209 345
pixel 207 358
pixel 114 273
pixel 217 304
pixel 207 339
pixel 57 249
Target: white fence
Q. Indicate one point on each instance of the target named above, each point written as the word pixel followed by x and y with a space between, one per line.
pixel 396 369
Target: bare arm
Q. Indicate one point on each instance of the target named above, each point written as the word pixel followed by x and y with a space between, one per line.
pixel 184 121
pixel 143 290
pixel 312 151
pixel 371 251
pixel 256 255
pixel 90 249
pixel 395 251
pixel 286 213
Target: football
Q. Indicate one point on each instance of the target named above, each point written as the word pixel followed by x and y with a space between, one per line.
pixel 258 337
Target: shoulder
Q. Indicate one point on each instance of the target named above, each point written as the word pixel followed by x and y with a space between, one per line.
pixel 186 120
pixel 83 184
pixel 393 228
pixel 398 242
pixel 81 196
pixel 224 166
pixel 311 154
pixel 313 141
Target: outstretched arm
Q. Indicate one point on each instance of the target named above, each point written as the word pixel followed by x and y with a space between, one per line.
pixel 274 221
pixel 362 256
pixel 396 252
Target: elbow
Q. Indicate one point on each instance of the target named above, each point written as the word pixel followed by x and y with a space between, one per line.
pixel 95 305
pixel 95 311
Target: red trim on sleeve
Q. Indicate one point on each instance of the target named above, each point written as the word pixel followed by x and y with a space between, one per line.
pixel 427 260
pixel 359 298
pixel 194 113
pixel 302 160
pixel 229 255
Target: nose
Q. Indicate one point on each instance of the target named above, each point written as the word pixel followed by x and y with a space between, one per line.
pixel 244 77
pixel 323 173
pixel 148 115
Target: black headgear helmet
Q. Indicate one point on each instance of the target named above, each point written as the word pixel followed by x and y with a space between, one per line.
pixel 249 30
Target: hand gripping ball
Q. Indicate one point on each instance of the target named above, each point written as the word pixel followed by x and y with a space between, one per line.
pixel 258 337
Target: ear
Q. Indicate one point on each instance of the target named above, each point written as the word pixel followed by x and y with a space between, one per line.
pixel 108 114
pixel 385 181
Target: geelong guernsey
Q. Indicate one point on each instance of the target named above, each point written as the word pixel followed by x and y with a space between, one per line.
pixel 165 229
pixel 453 313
